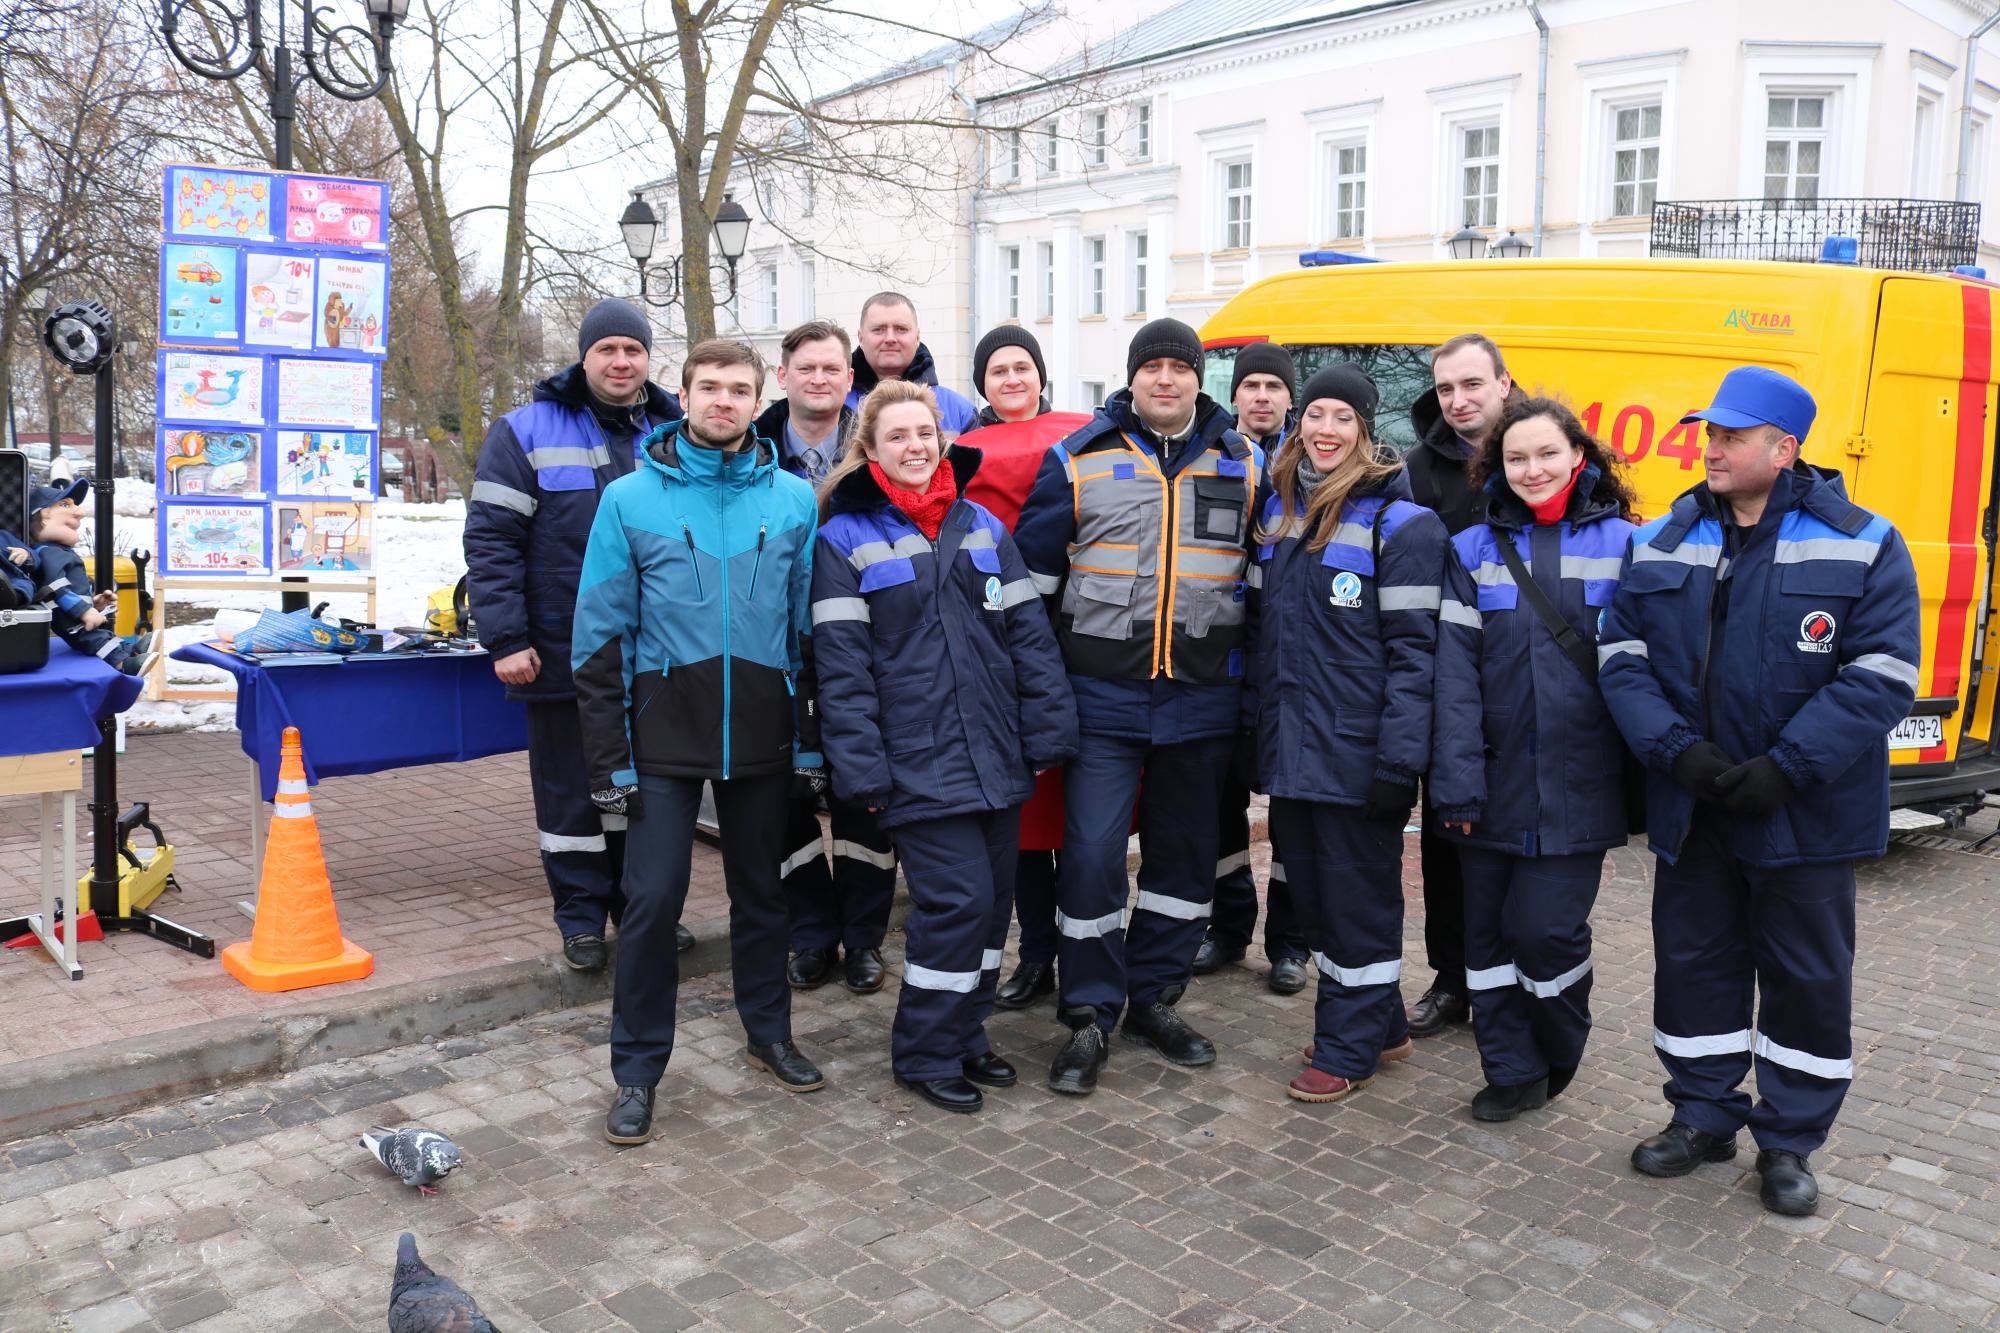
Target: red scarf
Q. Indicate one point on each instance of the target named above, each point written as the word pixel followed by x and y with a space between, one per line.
pixel 927 511
pixel 1552 509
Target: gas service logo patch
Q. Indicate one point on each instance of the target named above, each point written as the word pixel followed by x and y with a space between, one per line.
pixel 992 602
pixel 1816 632
pixel 1346 589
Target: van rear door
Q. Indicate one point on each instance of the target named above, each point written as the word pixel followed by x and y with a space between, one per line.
pixel 1926 459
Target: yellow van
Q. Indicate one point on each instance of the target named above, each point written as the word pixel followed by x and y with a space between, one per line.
pixel 1902 366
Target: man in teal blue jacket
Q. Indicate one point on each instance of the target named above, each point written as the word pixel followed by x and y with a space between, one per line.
pixel 692 661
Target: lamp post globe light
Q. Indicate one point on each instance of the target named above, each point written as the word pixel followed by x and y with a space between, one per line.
pixel 1511 246
pixel 239 43
pixel 640 227
pixel 1465 243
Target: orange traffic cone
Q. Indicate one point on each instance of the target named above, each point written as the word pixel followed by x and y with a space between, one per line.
pixel 296 941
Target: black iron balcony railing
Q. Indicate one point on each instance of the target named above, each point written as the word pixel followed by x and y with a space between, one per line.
pixel 1919 235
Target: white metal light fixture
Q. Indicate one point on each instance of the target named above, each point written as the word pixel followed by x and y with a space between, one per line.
pixel 642 229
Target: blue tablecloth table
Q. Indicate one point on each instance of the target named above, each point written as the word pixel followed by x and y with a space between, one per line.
pixel 365 716
pixel 46 718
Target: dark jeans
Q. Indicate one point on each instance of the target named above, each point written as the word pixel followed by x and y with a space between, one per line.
pixel 658 848
pixel 1235 919
pixel 1444 904
pixel 1035 904
pixel 848 904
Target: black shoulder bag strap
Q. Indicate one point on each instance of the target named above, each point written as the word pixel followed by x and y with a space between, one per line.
pixel 1574 645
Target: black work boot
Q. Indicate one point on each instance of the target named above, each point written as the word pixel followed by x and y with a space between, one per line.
pixel 1030 982
pixel 782 1061
pixel 1679 1149
pixel 1213 953
pixel 1288 975
pixel 585 952
pixel 631 1117
pixel 1498 1102
pixel 810 969
pixel 865 973
pixel 1437 1009
pixel 1788 1186
pixel 1160 1026
pixel 1077 1064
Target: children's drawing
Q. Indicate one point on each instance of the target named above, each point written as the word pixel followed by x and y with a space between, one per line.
pixel 214 538
pixel 210 462
pixel 205 203
pixel 348 213
pixel 353 305
pixel 278 299
pixel 326 535
pixel 200 296
pixel 212 386
pixel 326 393
pixel 333 463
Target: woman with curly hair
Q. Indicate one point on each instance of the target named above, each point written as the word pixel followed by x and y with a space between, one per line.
pixel 1527 769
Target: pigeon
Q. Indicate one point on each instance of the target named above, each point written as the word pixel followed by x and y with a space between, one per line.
pixel 422 1302
pixel 419 1156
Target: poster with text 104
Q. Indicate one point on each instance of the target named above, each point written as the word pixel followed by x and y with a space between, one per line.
pixel 347 213
pixel 278 299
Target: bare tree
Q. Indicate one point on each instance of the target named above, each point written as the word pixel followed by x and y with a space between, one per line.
pixel 740 86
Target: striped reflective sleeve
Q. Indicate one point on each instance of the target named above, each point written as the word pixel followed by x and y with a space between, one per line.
pixel 1180 909
pixel 493 493
pixel 1491 978
pixel 1454 612
pixel 563 455
pixel 926 978
pixel 1374 974
pixel 1046 584
pixel 1882 664
pixel 854 851
pixel 1819 1066
pixel 1411 597
pixel 565 842
pixel 1254 576
pixel 1089 930
pixel 1018 591
pixel 1545 990
pixel 840 608
pixel 1693 1048
pixel 1607 651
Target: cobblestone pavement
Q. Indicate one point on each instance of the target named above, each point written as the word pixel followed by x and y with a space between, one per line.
pixel 1173 1199
pixel 435 870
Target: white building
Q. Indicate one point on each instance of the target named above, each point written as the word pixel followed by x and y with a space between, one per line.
pixel 1211 142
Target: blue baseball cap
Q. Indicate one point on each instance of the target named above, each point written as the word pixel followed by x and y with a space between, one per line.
pixel 43 496
pixel 1758 396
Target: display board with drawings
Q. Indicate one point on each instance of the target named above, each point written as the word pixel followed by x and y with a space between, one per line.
pixel 274 322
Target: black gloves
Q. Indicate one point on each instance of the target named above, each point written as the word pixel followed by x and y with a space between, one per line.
pixel 1699 766
pixel 1756 788
pixel 808 784
pixel 617 800
pixel 1389 800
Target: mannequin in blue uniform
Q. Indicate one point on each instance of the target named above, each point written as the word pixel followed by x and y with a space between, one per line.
pixel 1527 769
pixel 952 697
pixel 1763 641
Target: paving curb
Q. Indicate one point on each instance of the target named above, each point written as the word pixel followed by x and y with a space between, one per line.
pixel 122 1076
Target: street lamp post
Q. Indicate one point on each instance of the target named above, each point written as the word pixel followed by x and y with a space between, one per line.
pixel 237 44
pixel 1466 243
pixel 641 229
pixel 1510 246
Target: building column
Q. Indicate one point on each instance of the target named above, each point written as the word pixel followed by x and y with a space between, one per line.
pixel 1159 254
pixel 1067 386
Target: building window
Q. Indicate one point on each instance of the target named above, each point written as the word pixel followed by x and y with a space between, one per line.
pixel 1236 205
pixel 808 290
pixel 1010 266
pixel 1479 175
pixel 1923 148
pixel 1051 149
pixel 1014 150
pixel 1137 245
pixel 1794 145
pixel 1097 139
pixel 1093 273
pixel 1045 254
pixel 808 194
pixel 771 295
pixel 767 194
pixel 1142 131
pixel 1350 190
pixel 1975 165
pixel 1093 393
pixel 1635 159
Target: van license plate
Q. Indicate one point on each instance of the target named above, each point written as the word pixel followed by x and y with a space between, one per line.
pixel 1917 733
